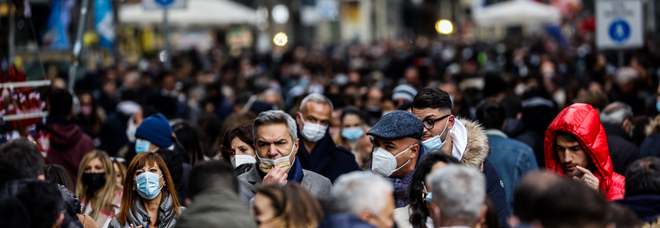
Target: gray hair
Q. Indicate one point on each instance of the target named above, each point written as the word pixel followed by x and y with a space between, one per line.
pixel 358 191
pixel 318 98
pixel 616 113
pixel 275 117
pixel 460 192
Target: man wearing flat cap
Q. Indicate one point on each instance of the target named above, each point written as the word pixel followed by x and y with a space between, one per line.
pixel 396 138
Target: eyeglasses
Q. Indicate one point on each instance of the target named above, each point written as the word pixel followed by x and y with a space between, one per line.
pixel 429 123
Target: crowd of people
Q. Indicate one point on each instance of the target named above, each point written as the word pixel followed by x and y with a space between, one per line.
pixel 402 133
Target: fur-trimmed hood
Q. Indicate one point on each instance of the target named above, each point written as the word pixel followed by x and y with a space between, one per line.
pixel 476 150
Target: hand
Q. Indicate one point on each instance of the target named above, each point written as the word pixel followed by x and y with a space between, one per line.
pixel 135 227
pixel 276 176
pixel 588 178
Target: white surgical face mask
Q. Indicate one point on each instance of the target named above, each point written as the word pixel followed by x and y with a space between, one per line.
pixel 384 163
pixel 131 127
pixel 238 160
pixel 311 131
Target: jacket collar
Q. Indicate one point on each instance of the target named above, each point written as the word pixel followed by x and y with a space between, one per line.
pixel 320 156
pixel 138 214
pixel 474 141
pixel 496 132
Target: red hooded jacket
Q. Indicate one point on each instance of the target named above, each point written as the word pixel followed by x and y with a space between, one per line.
pixel 583 121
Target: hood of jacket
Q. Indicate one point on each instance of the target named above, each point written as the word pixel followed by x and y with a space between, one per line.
pixel 64 134
pixel 217 208
pixel 476 150
pixel 583 121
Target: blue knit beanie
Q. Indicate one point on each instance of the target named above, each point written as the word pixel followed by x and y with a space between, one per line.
pixel 156 129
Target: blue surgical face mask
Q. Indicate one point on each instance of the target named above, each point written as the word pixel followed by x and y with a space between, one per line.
pixel 435 143
pixel 657 105
pixel 352 133
pixel 429 197
pixel 142 145
pixel 148 185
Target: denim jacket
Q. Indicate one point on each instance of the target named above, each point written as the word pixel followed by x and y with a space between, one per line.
pixel 511 158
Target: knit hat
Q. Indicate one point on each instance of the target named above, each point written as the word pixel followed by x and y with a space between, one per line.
pixel 404 91
pixel 156 129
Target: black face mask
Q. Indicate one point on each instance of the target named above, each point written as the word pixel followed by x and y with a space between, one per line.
pixel 94 181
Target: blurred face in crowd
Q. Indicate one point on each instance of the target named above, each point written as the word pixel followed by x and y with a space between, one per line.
pixel 138 118
pixel 571 154
pixel 374 97
pixel 86 105
pixel 263 211
pixel 397 147
pixel 412 77
pixel 273 141
pixel 271 98
pixel 435 122
pixel 354 77
pixel 118 175
pixel 238 147
pixel 314 112
pixel 94 166
pixel 351 120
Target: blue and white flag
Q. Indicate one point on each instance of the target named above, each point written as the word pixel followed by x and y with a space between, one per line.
pixel 56 36
pixel 104 23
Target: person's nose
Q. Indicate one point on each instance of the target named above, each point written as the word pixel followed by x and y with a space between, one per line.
pixel 569 156
pixel 272 151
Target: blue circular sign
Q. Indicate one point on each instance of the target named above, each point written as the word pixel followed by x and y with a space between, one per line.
pixel 164 3
pixel 619 31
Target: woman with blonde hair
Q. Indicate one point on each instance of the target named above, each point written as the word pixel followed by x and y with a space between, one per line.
pixel 97 189
pixel 289 205
pixel 149 198
pixel 120 171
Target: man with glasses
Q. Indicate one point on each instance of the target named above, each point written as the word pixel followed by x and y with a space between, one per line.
pixel 461 138
pixel 396 138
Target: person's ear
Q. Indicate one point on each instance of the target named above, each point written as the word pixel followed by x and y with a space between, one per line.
pixel 41 177
pixel 503 124
pixel 368 217
pixel 188 201
pixel 451 122
pixel 435 214
pixel 58 221
pixel 297 145
pixel 482 217
pixel 414 151
pixel 627 124
pixel 519 116
pixel 298 117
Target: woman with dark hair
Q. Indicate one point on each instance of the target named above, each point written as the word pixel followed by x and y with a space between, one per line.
pixel 351 134
pixel 57 174
pixel 290 206
pixel 417 213
pixel 191 140
pixel 149 198
pixel 237 148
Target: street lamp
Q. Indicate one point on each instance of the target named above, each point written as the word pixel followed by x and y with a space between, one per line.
pixel 444 27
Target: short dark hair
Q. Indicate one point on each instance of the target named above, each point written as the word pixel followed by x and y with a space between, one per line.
pixel 20 159
pixel 43 200
pixel 490 114
pixel 643 177
pixel 174 162
pixel 148 111
pixel 621 216
pixel 567 135
pixel 211 175
pixel 432 98
pixel 243 133
pixel 13 214
pixel 60 102
pixel 570 203
pixel 525 196
pixel 350 110
pixel 512 106
pixel 58 175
